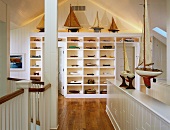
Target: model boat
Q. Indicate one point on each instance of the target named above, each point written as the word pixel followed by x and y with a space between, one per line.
pixel 72 23
pixel 96 26
pixel 113 27
pixel 40 26
pixel 144 68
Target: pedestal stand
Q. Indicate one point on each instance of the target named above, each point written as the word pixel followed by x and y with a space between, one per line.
pixel 123 82
pixel 130 83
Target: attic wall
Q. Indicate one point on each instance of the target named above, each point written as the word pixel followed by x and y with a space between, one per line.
pixel 159 57
pixel 19 41
pixel 86 18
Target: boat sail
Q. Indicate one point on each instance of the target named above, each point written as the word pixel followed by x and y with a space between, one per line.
pixel 113 26
pixel 72 23
pixel 96 25
pixel 144 68
pixel 126 74
pixel 40 26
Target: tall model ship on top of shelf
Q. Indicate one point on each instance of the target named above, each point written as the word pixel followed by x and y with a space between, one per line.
pixel 113 27
pixel 40 26
pixel 126 74
pixel 72 23
pixel 144 68
pixel 96 26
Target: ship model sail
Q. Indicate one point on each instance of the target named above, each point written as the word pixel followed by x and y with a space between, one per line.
pixel 96 26
pixel 144 68
pixel 113 27
pixel 40 26
pixel 126 74
pixel 72 23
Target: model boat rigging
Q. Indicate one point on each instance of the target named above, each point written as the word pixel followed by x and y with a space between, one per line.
pixel 113 27
pixel 144 68
pixel 96 25
pixel 72 23
pixel 126 74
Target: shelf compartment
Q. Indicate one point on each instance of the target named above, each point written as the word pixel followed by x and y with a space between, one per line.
pixel 107 39
pixel 77 44
pixel 103 89
pixel 127 39
pixel 103 80
pixel 106 63
pixel 107 53
pixel 73 39
pixel 35 63
pixel 87 80
pixel 108 45
pixel 94 71
pixel 91 46
pixel 93 89
pixel 75 89
pixel 35 39
pixel 74 62
pixel 90 54
pixel 91 63
pixel 74 71
pixel 77 80
pixel 107 72
pixel 74 54
pixel 90 39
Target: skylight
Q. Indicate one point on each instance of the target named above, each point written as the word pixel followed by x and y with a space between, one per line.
pixel 160 31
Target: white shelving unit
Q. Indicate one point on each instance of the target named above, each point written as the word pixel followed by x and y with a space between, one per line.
pixel 36 57
pixel 84 54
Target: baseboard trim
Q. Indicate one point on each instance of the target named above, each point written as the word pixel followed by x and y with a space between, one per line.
pixel 112 119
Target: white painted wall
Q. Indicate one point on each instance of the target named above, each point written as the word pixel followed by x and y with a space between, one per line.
pixel 160 57
pixel 4 47
pixel 19 41
pixel 168 41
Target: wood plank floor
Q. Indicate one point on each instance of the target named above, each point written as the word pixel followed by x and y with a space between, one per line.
pixel 83 114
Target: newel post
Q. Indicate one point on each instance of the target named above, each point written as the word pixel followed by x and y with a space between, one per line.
pixel 26 120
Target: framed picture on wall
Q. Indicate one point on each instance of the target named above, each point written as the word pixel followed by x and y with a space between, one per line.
pixel 17 61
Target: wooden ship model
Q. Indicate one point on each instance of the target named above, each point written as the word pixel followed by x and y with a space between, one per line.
pixel 72 23
pixel 145 68
pixel 126 74
pixel 40 26
pixel 113 27
pixel 96 25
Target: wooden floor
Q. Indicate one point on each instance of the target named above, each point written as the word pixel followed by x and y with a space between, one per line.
pixel 83 114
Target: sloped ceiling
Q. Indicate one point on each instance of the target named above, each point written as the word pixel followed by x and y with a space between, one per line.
pixel 129 11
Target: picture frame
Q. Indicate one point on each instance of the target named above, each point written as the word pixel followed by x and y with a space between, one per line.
pixel 17 61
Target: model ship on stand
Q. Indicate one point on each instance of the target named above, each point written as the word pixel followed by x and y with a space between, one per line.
pixel 144 68
pixel 40 26
pixel 72 23
pixel 96 26
pixel 113 27
pixel 126 74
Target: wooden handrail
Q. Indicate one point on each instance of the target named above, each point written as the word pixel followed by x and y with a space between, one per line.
pixel 11 96
pixel 15 79
pixel 33 82
pixel 40 89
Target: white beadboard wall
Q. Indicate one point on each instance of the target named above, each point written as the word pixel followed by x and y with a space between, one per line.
pixel 133 110
pixel 160 57
pixel 19 43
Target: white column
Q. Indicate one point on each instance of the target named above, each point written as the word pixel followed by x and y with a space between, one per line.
pixel 51 57
pixel 168 41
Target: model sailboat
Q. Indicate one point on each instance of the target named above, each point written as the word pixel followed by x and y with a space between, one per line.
pixel 126 74
pixel 96 25
pixel 113 27
pixel 72 23
pixel 40 26
pixel 144 68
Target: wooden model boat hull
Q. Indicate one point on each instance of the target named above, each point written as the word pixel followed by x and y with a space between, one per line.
pixel 147 75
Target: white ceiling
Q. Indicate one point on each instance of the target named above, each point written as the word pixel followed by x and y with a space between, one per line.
pixel 130 11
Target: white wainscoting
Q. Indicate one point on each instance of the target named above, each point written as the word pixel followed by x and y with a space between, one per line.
pixel 133 110
pixel 160 90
